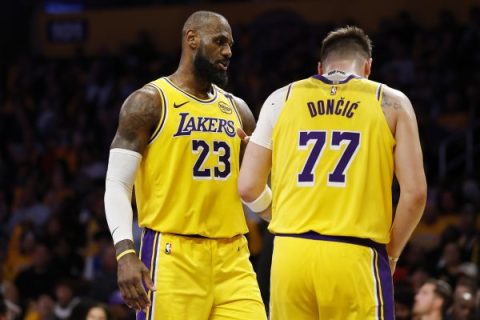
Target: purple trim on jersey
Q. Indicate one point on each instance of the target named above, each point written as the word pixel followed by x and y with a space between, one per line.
pixel 288 91
pixel 386 284
pixel 148 250
pixel 378 286
pixel 234 106
pixel 379 91
pixel 328 81
pixel 191 95
pixel 352 240
pixel 164 115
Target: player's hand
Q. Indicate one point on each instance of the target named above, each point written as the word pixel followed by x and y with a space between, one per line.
pixel 245 138
pixel 131 273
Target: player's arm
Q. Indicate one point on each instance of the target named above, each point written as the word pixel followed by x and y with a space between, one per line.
pixel 252 180
pixel 257 161
pixel 408 170
pixel 244 133
pixel 138 119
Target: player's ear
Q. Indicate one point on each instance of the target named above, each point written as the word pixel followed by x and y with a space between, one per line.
pixel 192 39
pixel 320 67
pixel 367 67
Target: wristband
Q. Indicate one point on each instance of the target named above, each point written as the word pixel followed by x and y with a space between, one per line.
pixel 262 202
pixel 124 253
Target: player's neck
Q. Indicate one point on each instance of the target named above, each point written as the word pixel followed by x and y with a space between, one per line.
pixel 189 82
pixel 342 65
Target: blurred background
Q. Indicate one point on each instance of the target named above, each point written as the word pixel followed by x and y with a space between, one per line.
pixel 67 65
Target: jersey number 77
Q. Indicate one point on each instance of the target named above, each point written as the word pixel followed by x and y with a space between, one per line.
pixel 337 176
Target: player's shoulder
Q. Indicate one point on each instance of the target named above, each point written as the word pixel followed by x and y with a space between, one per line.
pixel 157 83
pixel 224 92
pixel 304 83
pixel 396 101
pixel 143 103
pixel 392 94
pixel 370 81
pixel 282 93
pixel 275 102
pixel 246 116
pixel 141 109
pixel 148 94
pixel 368 85
pixel 239 102
pixel 309 84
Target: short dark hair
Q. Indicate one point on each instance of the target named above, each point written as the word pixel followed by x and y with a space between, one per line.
pixel 442 290
pixel 468 282
pixel 349 39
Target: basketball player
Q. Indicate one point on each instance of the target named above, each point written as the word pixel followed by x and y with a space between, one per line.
pixel 176 141
pixel 432 300
pixel 332 143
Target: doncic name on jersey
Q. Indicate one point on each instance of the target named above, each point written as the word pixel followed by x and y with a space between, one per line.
pixel 338 107
pixel 189 124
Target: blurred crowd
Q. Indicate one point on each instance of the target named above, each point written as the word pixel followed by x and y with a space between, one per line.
pixel 58 117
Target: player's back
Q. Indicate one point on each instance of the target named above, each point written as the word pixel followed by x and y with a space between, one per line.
pixel 333 160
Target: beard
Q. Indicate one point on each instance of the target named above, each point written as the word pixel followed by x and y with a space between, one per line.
pixel 206 70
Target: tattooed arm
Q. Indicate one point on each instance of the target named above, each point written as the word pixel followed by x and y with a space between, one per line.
pixel 139 116
pixel 409 170
pixel 138 119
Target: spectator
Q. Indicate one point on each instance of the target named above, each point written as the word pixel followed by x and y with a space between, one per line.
pixel 432 300
pixel 463 307
pixel 66 262
pixel 20 249
pixel 36 280
pixel 28 207
pixel 105 282
pixel 403 302
pixel 99 312
pixel 10 297
pixel 41 309
pixel 449 266
pixel 65 300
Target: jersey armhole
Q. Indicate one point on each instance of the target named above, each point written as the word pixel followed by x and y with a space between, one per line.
pixel 235 108
pixel 379 95
pixel 288 92
pixel 279 114
pixel 163 117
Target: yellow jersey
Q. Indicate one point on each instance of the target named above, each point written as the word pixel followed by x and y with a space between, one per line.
pixel 187 179
pixel 332 160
